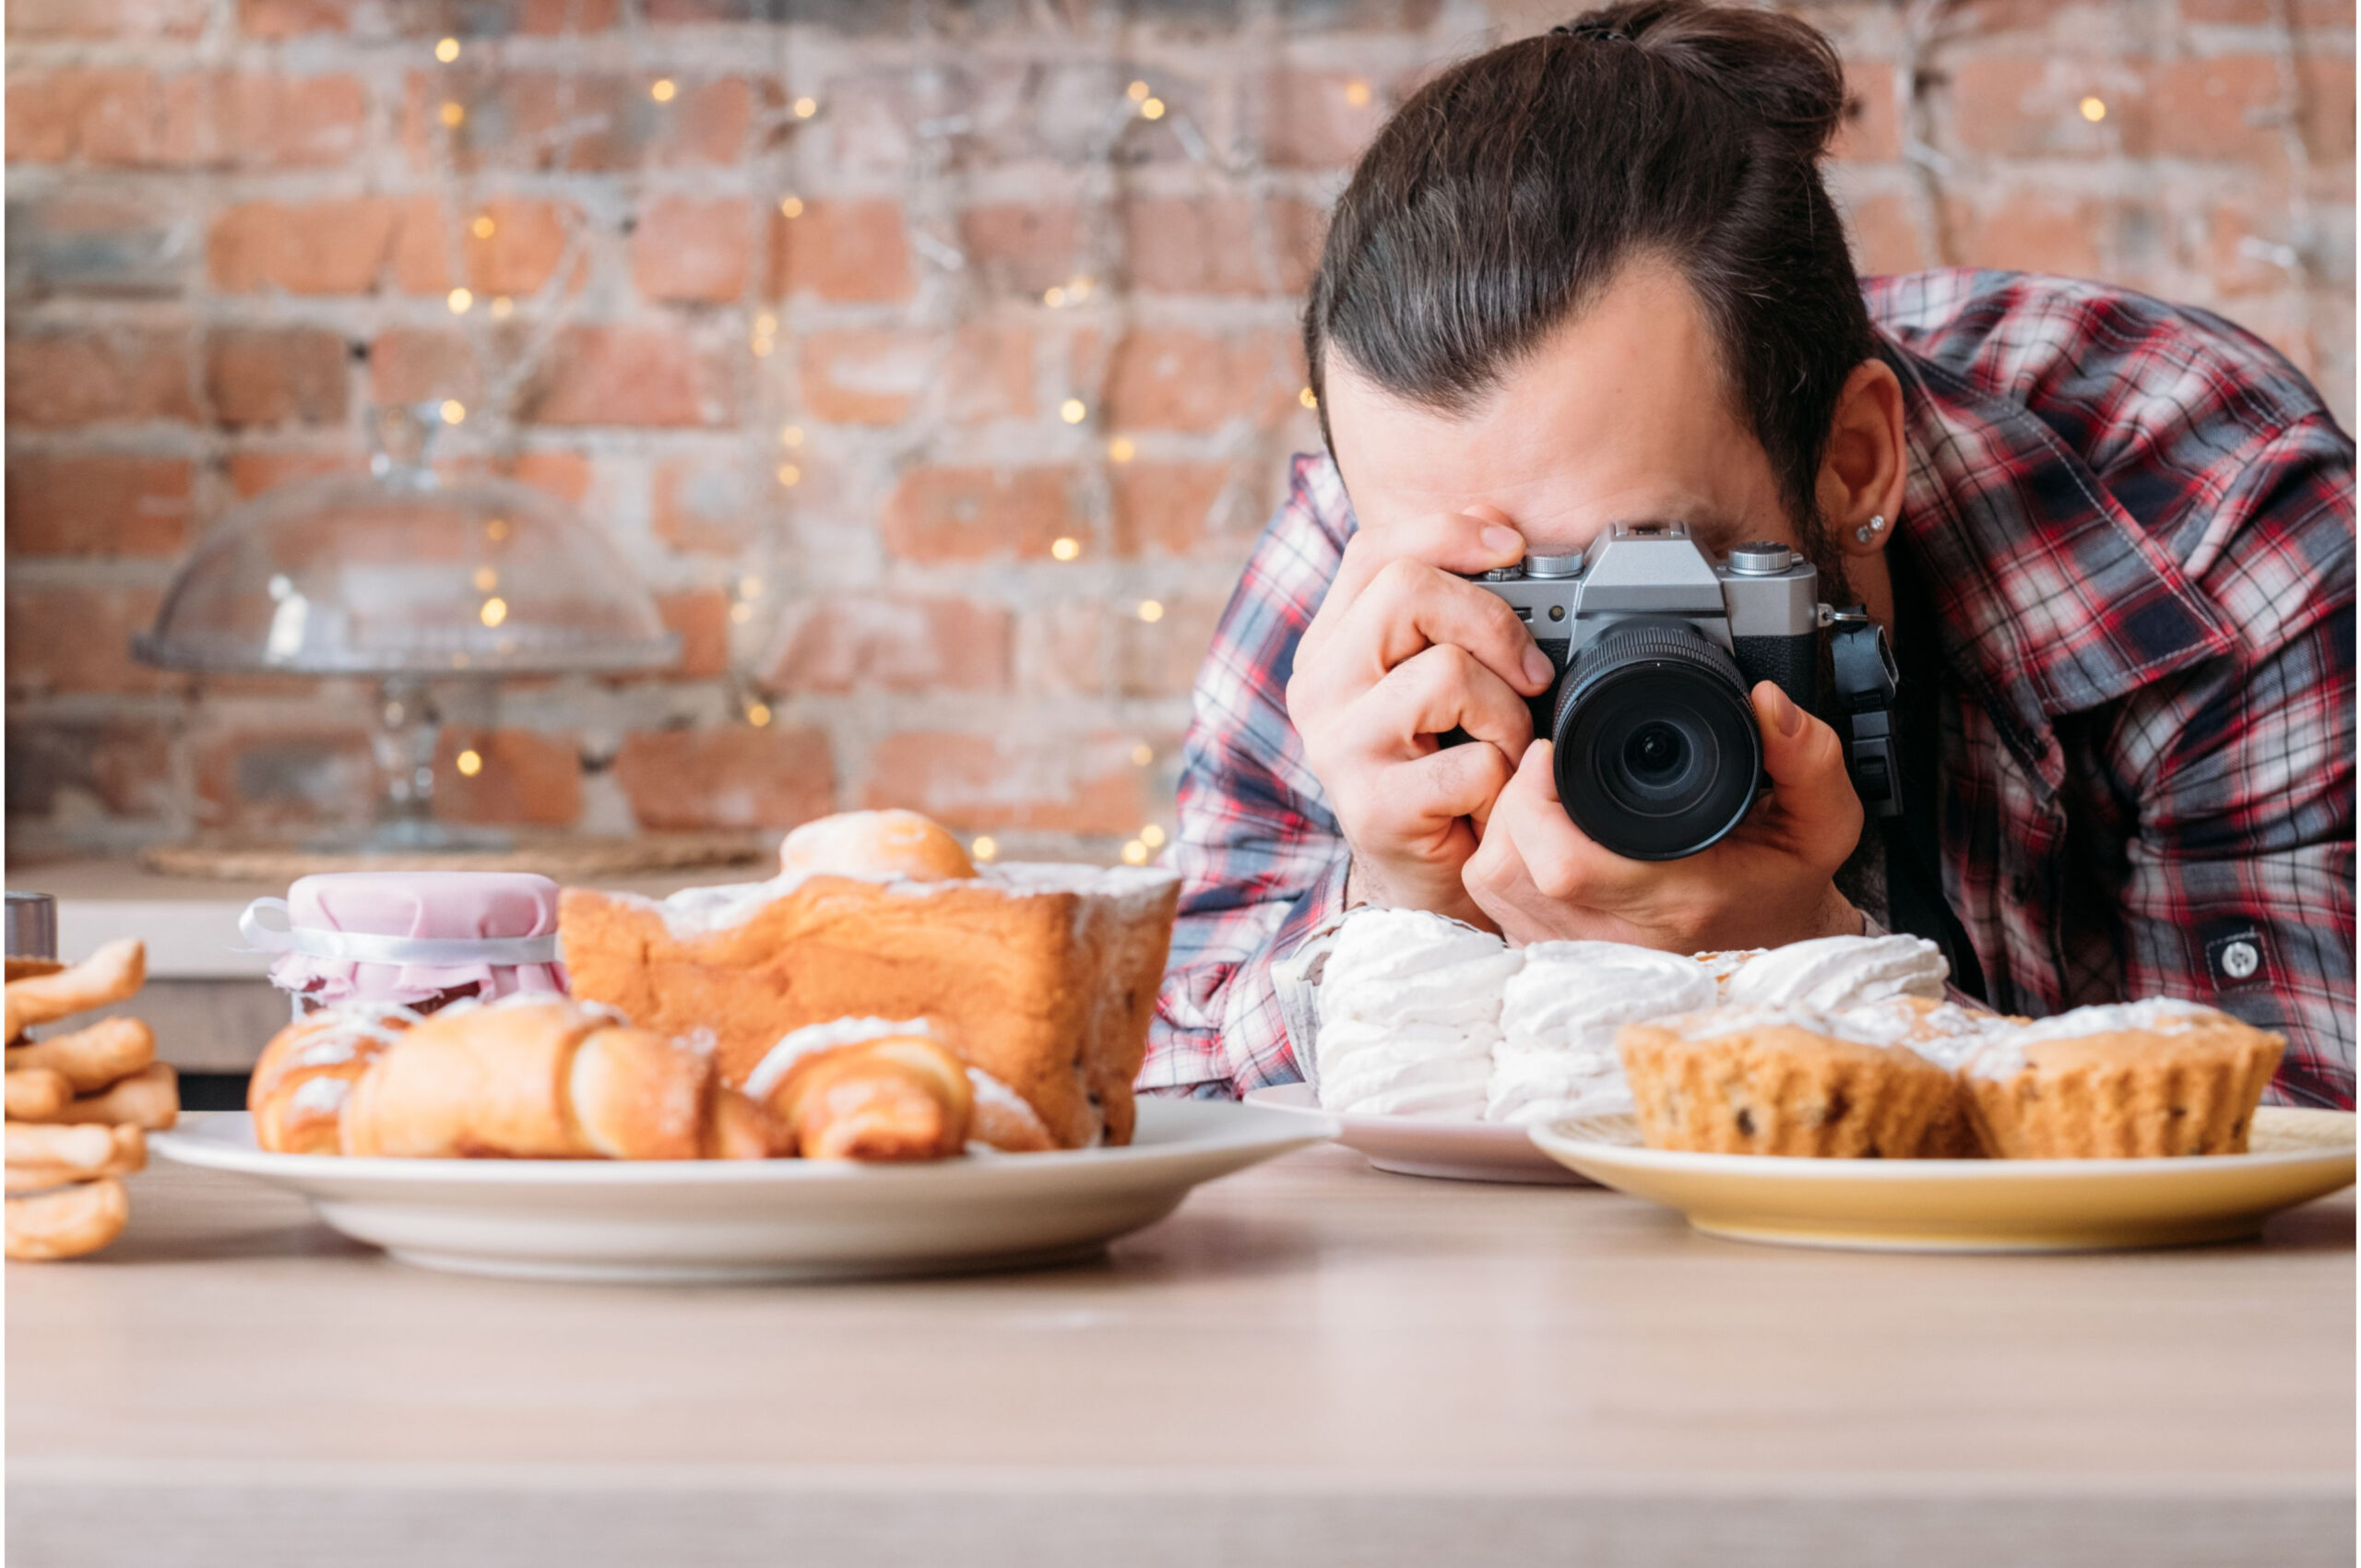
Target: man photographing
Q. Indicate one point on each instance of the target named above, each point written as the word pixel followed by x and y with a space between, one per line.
pixel 1593 281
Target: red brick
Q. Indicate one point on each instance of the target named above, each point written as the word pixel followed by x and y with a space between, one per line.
pixel 566 475
pixel 900 645
pixel 2328 106
pixel 735 778
pixel 875 375
pixel 254 779
pixel 527 779
pixel 1886 236
pixel 1872 132
pixel 70 640
pixel 1063 647
pixel 1159 657
pixel 691 249
pixel 1020 248
pixel 629 375
pixel 122 20
pixel 97 504
pixel 2030 106
pixel 291 19
pixel 1208 245
pixel 1310 122
pixel 2031 230
pixel 1032 780
pixel 90 240
pixel 2328 16
pixel 700 617
pixel 704 508
pixel 1163 508
pixel 272 122
pixel 1163 378
pixel 268 376
pixel 853 251
pixel 413 365
pixel 976 514
pixel 123 117
pixel 323 247
pixel 253 471
pixel 2221 109
pixel 86 376
pixel 542 120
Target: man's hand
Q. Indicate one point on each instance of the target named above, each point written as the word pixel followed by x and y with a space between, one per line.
pixel 1540 878
pixel 1400 652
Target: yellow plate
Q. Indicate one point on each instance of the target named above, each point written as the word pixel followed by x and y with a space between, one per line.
pixel 1974 1205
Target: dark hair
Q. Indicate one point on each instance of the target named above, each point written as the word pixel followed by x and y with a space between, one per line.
pixel 1509 192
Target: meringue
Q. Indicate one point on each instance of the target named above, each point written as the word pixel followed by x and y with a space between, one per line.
pixel 1831 973
pixel 1409 1013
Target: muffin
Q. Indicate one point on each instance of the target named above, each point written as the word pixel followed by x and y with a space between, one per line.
pixel 2142 1080
pixel 1779 1081
pixel 1946 1034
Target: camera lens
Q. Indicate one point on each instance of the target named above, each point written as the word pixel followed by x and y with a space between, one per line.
pixel 1656 750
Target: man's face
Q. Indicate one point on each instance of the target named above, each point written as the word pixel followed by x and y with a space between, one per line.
pixel 1620 417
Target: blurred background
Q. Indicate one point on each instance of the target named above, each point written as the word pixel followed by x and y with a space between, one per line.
pixel 933 365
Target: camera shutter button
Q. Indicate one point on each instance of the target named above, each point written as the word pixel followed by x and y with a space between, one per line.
pixel 1567 564
pixel 1760 558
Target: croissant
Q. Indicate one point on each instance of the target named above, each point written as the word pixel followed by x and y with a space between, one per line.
pixel 532 1078
pixel 889 1097
pixel 305 1074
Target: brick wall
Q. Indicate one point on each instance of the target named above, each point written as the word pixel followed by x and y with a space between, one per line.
pixel 937 378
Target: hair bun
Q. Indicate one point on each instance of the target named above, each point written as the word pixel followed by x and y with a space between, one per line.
pixel 1784 72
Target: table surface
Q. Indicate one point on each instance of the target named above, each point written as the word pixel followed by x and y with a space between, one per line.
pixel 1310 1359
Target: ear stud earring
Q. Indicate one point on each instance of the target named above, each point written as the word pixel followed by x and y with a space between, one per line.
pixel 1869 530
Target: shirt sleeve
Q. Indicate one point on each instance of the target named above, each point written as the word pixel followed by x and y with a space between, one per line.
pixel 2240 884
pixel 1260 859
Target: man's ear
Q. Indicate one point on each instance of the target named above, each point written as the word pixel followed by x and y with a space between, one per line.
pixel 1861 477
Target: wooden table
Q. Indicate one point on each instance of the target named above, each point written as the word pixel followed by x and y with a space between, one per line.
pixel 1311 1362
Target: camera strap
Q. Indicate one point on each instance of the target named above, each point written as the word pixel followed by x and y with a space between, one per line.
pixel 1867 681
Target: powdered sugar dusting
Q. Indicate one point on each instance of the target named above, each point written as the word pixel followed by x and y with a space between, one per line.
pixel 798 1043
pixel 701 911
pixel 2005 1057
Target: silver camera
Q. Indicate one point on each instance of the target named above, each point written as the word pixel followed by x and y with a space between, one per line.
pixel 1657 645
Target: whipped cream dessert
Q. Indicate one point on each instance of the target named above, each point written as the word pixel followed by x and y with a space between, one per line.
pixel 1831 973
pixel 1559 1012
pixel 1409 1013
pixel 2004 1057
pixel 1726 962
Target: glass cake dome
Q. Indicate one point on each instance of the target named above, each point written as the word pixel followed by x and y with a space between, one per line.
pixel 399 573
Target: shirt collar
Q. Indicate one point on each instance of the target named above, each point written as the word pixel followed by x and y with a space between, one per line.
pixel 2052 598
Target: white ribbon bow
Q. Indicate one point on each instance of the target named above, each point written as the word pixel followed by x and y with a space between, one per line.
pixel 362 947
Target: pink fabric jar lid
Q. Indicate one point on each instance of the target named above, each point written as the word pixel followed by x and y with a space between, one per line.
pixel 410 936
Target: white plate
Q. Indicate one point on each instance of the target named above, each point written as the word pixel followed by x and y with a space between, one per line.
pixel 1975 1205
pixel 1418 1146
pixel 702 1222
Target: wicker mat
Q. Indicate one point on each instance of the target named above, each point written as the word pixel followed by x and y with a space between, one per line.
pixel 560 857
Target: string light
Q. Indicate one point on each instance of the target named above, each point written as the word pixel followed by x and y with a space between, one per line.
pixel 758 714
pixel 806 107
pixel 790 475
pixel 1151 109
pixel 1136 92
pixel 741 614
pixel 1152 835
pixel 1064 549
pixel 460 300
pixel 982 846
pixel 662 89
pixel 447 51
pixel 1151 612
pixel 2094 109
pixel 1142 754
pixel 469 763
pixel 486 579
pixel 501 307
pixel 1121 450
pixel 792 436
pixel 483 226
pixel 1135 853
pixel 493 612
pixel 453 411
pixel 496 530
pixel 1072 412
pixel 791 207
pixel 1054 297
pixel 750 587
pixel 1356 93
pixel 452 114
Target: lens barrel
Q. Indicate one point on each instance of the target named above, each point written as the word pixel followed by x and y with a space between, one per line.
pixel 1656 751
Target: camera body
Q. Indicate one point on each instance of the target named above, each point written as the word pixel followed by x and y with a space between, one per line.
pixel 1657 647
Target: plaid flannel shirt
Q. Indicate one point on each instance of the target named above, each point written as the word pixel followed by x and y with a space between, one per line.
pixel 2137 522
